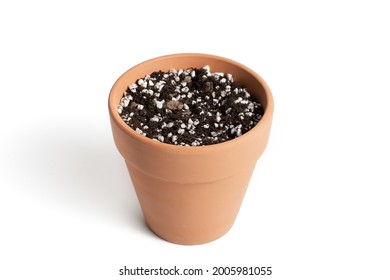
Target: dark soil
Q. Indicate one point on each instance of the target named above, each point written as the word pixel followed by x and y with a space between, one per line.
pixel 191 107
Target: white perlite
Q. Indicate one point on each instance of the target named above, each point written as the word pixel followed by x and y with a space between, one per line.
pixel 155 119
pixel 142 83
pixel 159 104
pixel 138 130
pixel 218 117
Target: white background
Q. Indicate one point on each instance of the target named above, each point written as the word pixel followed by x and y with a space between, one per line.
pixel 318 203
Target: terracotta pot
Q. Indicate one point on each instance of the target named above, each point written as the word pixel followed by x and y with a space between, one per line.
pixel 191 195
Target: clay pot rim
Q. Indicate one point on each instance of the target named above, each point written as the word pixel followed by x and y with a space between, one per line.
pixel 266 118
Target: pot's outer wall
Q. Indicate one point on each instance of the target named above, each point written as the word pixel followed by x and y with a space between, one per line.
pixel 191 195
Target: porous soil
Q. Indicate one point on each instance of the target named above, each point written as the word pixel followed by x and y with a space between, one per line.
pixel 190 107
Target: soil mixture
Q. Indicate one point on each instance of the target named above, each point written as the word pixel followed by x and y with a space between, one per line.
pixel 191 107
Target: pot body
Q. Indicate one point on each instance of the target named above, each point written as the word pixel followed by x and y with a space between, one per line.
pixel 191 195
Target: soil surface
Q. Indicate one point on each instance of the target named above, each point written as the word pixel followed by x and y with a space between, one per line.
pixel 191 107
